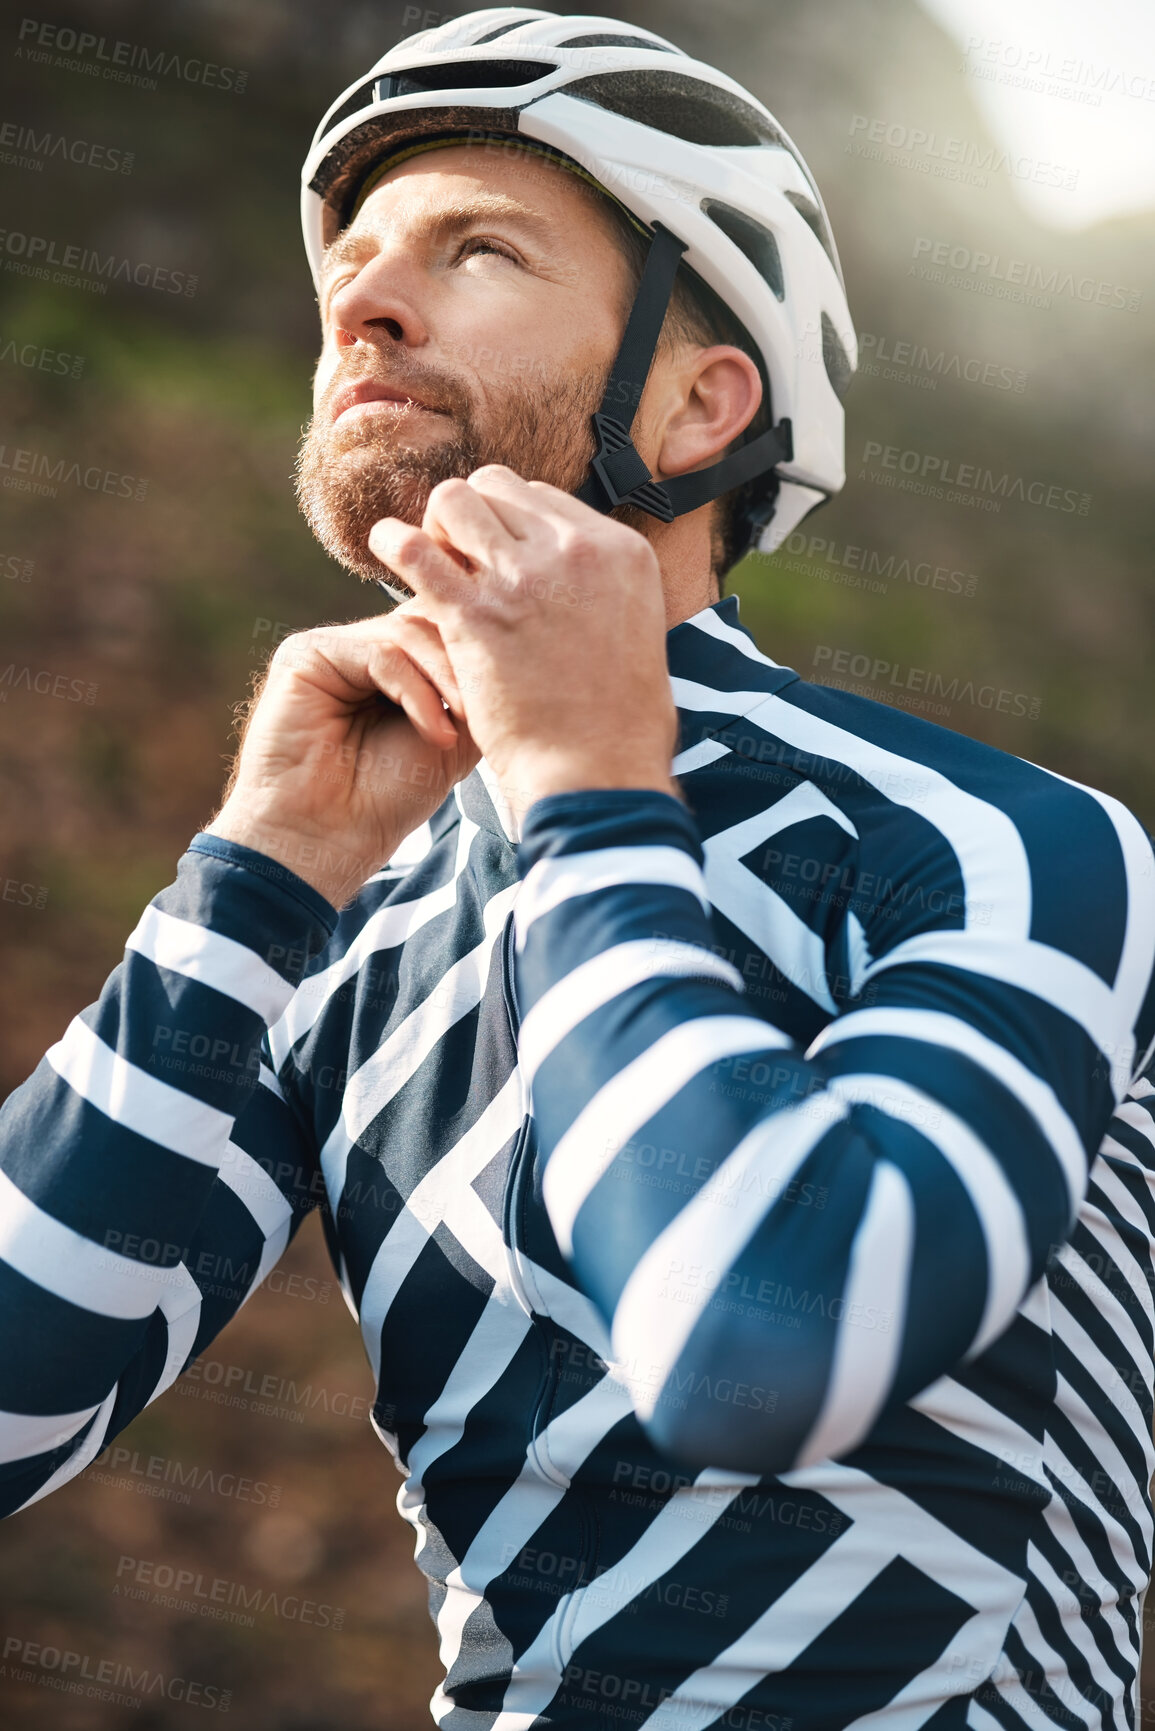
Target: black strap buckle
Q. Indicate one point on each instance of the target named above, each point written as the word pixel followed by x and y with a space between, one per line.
pixel 624 477
pixel 618 475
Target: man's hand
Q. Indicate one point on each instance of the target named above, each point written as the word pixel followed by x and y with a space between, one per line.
pixel 553 618
pixel 347 749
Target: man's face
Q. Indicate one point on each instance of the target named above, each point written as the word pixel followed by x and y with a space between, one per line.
pixel 486 292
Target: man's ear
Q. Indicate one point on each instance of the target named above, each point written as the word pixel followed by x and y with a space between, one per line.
pixel 713 398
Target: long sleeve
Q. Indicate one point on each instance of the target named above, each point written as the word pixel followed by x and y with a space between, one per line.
pixel 151 1172
pixel 784 1243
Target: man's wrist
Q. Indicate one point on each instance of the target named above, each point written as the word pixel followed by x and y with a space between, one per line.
pixel 595 819
pixel 527 782
pixel 257 901
pixel 311 858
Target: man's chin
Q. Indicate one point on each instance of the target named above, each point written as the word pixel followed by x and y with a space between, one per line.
pixel 342 527
pixel 351 475
pixel 380 437
pixel 342 492
pixel 349 546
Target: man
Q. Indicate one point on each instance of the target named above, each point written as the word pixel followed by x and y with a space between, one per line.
pixel 801 1334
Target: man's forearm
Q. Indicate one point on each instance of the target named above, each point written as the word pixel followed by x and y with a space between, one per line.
pixel 702 1172
pixel 110 1153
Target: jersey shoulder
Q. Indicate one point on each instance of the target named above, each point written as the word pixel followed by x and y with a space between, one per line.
pixel 874 733
pixel 1061 863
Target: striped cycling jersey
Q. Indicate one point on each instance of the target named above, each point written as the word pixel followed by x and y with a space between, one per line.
pixel 789 1364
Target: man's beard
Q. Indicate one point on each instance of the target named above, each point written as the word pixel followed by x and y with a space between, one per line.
pixel 350 476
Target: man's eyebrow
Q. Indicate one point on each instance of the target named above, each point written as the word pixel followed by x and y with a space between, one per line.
pixel 486 207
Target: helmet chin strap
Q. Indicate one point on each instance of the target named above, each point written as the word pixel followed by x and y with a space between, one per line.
pixel 618 475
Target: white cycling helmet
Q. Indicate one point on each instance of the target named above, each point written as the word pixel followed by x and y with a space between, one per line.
pixel 698 163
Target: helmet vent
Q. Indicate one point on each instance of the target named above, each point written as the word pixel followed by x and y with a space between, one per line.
pixel 361 98
pixel 751 238
pixel 812 217
pixel 835 359
pixel 502 30
pixel 461 75
pixel 685 107
pixel 609 41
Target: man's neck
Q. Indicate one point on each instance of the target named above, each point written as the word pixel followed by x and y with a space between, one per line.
pixel 689 581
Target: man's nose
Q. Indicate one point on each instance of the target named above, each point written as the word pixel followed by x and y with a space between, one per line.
pixel 381 299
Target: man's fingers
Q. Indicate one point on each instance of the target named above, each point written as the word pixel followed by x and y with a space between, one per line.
pixel 526 505
pixel 516 507
pixel 405 684
pixel 421 640
pixel 350 663
pixel 413 555
pixel 507 489
pixel 464 520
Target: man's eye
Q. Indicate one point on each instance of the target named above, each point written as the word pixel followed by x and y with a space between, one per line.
pixel 483 243
pixel 331 291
